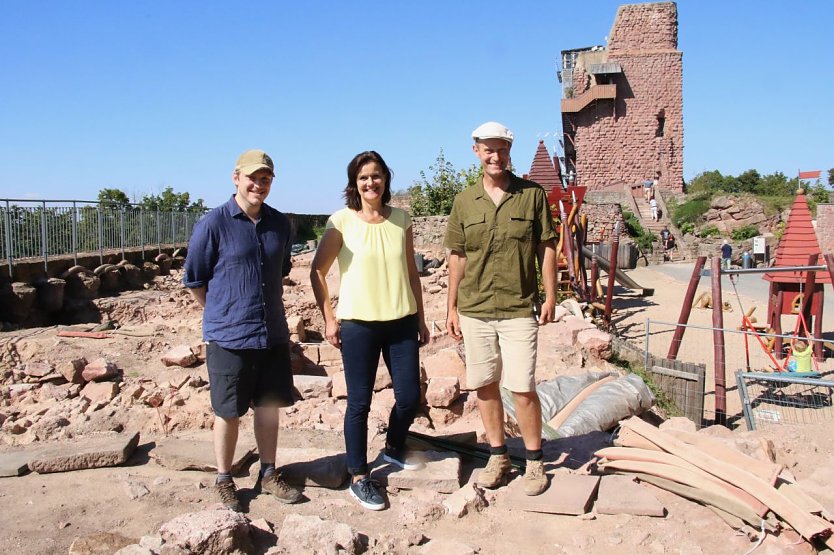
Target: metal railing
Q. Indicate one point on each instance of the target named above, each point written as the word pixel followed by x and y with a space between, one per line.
pixel 45 229
pixel 776 399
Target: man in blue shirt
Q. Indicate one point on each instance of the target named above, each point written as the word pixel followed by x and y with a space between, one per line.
pixel 238 255
pixel 726 254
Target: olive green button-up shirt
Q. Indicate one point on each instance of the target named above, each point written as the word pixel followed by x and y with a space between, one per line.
pixel 500 244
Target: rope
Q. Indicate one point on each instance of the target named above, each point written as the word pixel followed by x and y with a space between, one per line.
pixel 758 543
pixel 748 326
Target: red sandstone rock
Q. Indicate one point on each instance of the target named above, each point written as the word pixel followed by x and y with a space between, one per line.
pixel 181 355
pixel 38 369
pixel 100 392
pixel 72 369
pixel 312 534
pixel 446 363
pixel 210 531
pixel 596 342
pixel 99 370
pixel 339 389
pixel 297 332
pixel 313 386
pixel 442 391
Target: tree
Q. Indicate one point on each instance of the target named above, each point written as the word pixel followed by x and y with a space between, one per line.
pixel 169 201
pixel 706 183
pixel 749 181
pixel 434 195
pixel 113 198
pixel 831 177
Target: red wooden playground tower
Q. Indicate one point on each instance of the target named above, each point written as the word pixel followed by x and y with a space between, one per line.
pixel 799 293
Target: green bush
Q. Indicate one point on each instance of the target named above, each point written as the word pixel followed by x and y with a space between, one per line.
pixel 709 231
pixel 641 237
pixel 744 232
pixel 690 211
pixel 687 227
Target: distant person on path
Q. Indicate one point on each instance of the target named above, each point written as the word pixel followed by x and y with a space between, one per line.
pixel 667 239
pixel 497 231
pixel 648 190
pixel 653 208
pixel 726 254
pixel 237 258
pixel 380 311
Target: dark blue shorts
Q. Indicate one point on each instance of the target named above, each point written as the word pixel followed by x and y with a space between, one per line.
pixel 240 378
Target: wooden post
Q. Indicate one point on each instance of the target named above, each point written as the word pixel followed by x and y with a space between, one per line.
pixel 777 324
pixel 718 343
pixel 580 243
pixel 818 298
pixel 686 309
pixel 612 271
pixel 808 290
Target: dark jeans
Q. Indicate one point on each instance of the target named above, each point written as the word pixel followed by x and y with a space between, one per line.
pixel 362 343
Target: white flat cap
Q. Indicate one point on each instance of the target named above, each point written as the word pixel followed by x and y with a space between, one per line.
pixel 493 130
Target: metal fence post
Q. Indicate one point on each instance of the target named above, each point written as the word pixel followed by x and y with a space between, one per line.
pixel 74 233
pixel 122 230
pixel 44 240
pixel 100 242
pixel 745 400
pixel 9 256
pixel 158 233
pixel 648 329
pixel 142 231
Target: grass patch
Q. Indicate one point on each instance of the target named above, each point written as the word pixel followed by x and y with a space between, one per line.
pixel 689 212
pixel 662 401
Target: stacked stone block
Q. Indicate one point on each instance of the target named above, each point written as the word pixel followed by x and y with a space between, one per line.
pixel 825 227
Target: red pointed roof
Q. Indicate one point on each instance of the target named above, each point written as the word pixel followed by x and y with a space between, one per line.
pixel 542 171
pixel 798 242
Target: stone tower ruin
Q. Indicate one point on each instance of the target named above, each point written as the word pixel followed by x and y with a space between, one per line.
pixel 622 106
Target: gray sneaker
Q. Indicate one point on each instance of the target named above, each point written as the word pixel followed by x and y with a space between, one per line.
pixel 226 493
pixel 280 489
pixel 365 491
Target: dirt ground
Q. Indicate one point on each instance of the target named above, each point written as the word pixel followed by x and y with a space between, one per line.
pixel 44 513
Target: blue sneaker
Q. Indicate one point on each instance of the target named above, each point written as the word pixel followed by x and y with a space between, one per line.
pixel 365 491
pixel 397 457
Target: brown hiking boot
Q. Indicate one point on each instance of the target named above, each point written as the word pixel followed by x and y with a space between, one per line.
pixel 280 489
pixel 226 493
pixel 535 482
pixel 495 472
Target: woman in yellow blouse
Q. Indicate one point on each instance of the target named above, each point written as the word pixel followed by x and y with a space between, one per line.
pixel 380 311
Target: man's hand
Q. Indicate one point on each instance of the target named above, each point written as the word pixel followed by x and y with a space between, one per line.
pixel 548 309
pixel 453 326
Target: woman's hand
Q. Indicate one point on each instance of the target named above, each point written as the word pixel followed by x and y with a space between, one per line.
pixel 424 333
pixel 332 332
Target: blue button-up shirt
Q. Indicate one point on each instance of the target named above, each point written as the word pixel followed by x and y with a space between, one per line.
pixel 242 265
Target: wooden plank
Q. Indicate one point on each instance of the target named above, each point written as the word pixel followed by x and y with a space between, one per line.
pixel 674 373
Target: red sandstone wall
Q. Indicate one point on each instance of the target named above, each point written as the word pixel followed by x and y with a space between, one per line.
pixel 825 227
pixel 615 140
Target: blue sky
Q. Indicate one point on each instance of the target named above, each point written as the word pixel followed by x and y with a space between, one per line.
pixel 144 95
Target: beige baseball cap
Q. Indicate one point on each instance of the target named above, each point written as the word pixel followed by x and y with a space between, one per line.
pixel 253 160
pixel 493 130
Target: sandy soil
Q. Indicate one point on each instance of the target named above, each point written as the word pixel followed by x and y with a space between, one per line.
pixel 44 513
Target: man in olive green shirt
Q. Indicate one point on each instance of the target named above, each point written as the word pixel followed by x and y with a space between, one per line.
pixel 497 230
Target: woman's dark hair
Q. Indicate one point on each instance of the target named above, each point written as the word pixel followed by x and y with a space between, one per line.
pixel 352 199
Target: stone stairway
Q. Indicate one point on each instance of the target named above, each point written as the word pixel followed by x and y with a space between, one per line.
pixel 644 213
